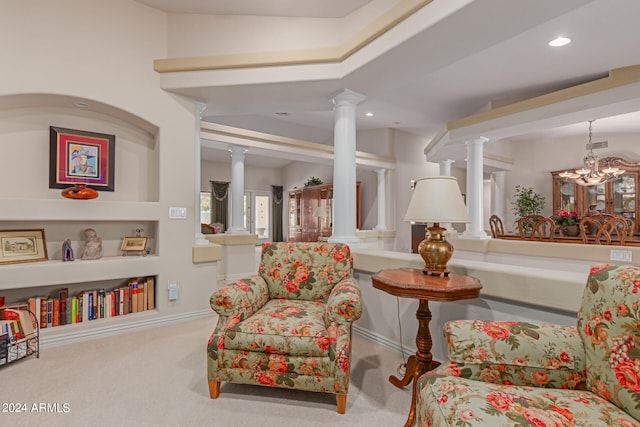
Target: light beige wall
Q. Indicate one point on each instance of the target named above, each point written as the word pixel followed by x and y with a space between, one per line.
pixel 104 51
pixel 255 177
pixel 535 159
pixel 410 164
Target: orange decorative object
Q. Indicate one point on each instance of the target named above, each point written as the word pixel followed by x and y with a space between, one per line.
pixel 79 191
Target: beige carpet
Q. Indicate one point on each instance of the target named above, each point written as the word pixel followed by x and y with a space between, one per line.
pixel 157 377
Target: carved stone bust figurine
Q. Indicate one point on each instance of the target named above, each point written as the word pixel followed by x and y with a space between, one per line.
pixel 92 245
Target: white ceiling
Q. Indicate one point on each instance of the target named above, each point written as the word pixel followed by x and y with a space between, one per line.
pixel 489 51
pixel 287 8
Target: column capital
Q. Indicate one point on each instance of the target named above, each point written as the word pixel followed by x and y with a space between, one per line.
pixel 237 150
pixel 347 97
pixel 199 108
pixel 481 140
pixel 499 173
pixel 380 171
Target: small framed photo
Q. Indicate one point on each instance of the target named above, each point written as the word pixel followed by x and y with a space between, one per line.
pixel 81 157
pixel 134 244
pixel 22 246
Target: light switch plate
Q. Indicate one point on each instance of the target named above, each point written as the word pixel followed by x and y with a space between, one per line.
pixel 173 291
pixel 177 213
pixel 620 255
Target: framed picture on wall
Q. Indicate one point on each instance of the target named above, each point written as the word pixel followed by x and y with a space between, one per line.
pixel 22 246
pixel 81 157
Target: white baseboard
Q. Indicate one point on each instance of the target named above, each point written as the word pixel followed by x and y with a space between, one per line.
pixel 393 345
pixel 103 327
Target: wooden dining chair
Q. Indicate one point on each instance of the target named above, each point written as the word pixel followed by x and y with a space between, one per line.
pixel 604 229
pixel 497 229
pixel 536 227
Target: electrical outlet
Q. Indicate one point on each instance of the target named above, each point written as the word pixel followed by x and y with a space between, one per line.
pixel 173 291
pixel 620 255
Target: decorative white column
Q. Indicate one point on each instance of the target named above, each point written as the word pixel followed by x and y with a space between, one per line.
pixel 475 184
pixel 344 167
pixel 445 170
pixel 445 167
pixel 497 191
pixel 237 190
pixel 200 240
pixel 382 204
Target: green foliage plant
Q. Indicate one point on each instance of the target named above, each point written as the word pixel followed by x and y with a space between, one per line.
pixel 527 202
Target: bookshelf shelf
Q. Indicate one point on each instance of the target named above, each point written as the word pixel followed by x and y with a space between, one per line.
pixel 58 273
pixel 74 210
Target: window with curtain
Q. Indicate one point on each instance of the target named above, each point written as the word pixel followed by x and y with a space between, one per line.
pixel 276 208
pixel 220 203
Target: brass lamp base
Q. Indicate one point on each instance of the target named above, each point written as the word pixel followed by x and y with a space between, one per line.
pixel 435 251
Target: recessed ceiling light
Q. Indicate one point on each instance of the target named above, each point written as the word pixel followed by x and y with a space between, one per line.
pixel 369 114
pixel 282 113
pixel 560 41
pixel 81 104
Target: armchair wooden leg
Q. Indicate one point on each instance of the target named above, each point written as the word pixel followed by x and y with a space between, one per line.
pixel 214 389
pixel 341 401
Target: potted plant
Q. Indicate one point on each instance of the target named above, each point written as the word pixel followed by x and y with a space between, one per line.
pixel 568 222
pixel 527 202
pixel 313 181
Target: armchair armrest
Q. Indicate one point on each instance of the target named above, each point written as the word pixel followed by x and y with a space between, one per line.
pixel 344 304
pixel 521 353
pixel 242 298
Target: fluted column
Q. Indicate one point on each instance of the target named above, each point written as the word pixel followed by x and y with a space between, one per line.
pixel 237 190
pixel 445 170
pixel 445 167
pixel 382 204
pixel 199 237
pixel 497 191
pixel 475 184
pixel 344 167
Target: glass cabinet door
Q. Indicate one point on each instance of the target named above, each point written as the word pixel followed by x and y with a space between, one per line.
pixel 596 198
pixel 624 196
pixel 568 196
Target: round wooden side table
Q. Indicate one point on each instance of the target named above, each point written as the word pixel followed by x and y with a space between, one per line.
pixel 413 283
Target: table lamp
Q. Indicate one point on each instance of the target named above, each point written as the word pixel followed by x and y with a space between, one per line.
pixel 436 199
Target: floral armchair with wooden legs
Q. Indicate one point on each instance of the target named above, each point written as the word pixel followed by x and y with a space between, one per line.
pixel 507 374
pixel 288 326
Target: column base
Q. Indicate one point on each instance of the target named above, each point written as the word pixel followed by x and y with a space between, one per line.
pixel 476 235
pixel 352 241
pixel 237 231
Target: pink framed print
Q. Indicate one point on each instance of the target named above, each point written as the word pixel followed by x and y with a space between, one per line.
pixel 81 157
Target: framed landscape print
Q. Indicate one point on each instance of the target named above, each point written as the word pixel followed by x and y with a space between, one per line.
pixel 22 246
pixel 81 157
pixel 133 244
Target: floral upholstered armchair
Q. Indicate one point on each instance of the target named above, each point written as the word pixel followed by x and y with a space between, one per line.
pixel 288 326
pixel 503 374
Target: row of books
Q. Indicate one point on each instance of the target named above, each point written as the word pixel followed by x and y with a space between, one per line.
pixel 18 334
pixel 64 309
pixel 16 324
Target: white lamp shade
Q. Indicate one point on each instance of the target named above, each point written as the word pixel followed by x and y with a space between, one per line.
pixel 437 199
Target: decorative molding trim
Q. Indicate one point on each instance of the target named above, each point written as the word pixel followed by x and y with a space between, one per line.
pixel 108 329
pixel 334 54
pixel 379 339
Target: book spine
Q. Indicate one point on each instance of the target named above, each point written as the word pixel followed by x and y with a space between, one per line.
pixel 151 293
pixel 49 306
pixel 101 309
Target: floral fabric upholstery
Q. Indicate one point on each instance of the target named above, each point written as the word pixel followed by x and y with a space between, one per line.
pixel 263 337
pixel 306 271
pixel 524 374
pixel 609 322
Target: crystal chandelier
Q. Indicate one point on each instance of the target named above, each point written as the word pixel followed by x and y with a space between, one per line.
pixel 589 174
